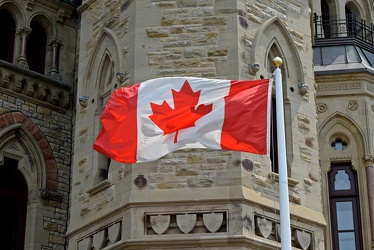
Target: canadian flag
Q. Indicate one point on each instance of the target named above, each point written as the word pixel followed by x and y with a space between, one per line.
pixel 149 120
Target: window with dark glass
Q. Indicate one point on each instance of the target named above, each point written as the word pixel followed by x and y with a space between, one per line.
pixel 36 47
pixel 13 195
pixel 344 207
pixel 351 22
pixel 326 25
pixel 7 34
pixel 273 138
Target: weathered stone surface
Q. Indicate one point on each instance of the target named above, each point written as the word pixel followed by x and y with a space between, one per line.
pixel 160 223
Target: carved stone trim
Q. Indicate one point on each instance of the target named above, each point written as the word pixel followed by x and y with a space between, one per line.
pixel 186 223
pixel 368 159
pixel 102 238
pixel 321 107
pixel 341 158
pixel 50 195
pixel 269 229
pixel 32 86
pixel 352 105
pixel 213 221
pixel 302 239
pixel 264 227
pixel 340 86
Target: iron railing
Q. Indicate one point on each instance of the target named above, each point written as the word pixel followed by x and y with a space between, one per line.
pixel 329 27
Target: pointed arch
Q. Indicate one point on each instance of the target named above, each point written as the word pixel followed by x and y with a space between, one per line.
pixel 273 39
pixel 21 139
pixel 347 126
pixel 274 32
pixel 340 126
pixel 15 10
pixel 105 61
pixel 46 22
pixel 106 70
pixel 352 7
pixel 107 45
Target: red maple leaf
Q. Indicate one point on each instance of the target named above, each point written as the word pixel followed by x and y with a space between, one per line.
pixel 184 114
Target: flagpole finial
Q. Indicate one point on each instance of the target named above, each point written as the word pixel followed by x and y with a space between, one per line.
pixel 277 61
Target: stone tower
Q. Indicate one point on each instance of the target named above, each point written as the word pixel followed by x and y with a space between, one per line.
pixel 194 199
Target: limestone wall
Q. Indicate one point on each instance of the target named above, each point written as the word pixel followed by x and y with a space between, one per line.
pixel 194 197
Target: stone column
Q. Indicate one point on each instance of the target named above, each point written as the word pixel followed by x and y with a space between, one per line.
pixel 370 186
pixel 22 59
pixel 55 55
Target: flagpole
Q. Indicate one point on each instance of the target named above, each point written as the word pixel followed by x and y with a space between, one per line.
pixel 285 225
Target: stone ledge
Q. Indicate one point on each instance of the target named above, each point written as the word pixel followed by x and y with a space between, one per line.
pixel 291 182
pixel 99 187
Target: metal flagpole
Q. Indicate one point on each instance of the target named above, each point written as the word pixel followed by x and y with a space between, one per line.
pixel 285 225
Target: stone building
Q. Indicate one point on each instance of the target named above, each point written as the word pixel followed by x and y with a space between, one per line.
pixel 38 41
pixel 194 198
pixel 70 196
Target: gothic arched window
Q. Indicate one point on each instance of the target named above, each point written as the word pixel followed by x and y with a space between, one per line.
pixel 7 34
pixel 344 207
pixel 36 48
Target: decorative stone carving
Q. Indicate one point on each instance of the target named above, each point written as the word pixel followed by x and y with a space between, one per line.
pixel 43 89
pixel 302 239
pixel 341 86
pixel 98 239
pixel 85 244
pixel 114 233
pixel 321 107
pixel 372 107
pixel 352 105
pixel 29 5
pixel 264 226
pixel 60 15
pixel 186 222
pixel 270 229
pixel 213 221
pixel 160 223
pixel 368 159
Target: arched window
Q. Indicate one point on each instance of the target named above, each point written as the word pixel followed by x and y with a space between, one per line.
pixel 7 34
pixel 326 22
pixel 13 195
pixel 273 52
pixel 36 48
pixel 344 207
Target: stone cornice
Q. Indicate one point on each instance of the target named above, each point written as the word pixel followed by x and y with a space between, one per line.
pixel 30 85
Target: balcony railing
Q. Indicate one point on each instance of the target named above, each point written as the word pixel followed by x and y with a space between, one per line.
pixel 329 27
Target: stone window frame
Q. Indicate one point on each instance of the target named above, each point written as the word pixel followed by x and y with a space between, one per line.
pixel 106 48
pixel 273 34
pixel 50 32
pixel 350 195
pixel 354 154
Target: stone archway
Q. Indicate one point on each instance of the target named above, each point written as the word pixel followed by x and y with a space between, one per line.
pixel 15 125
